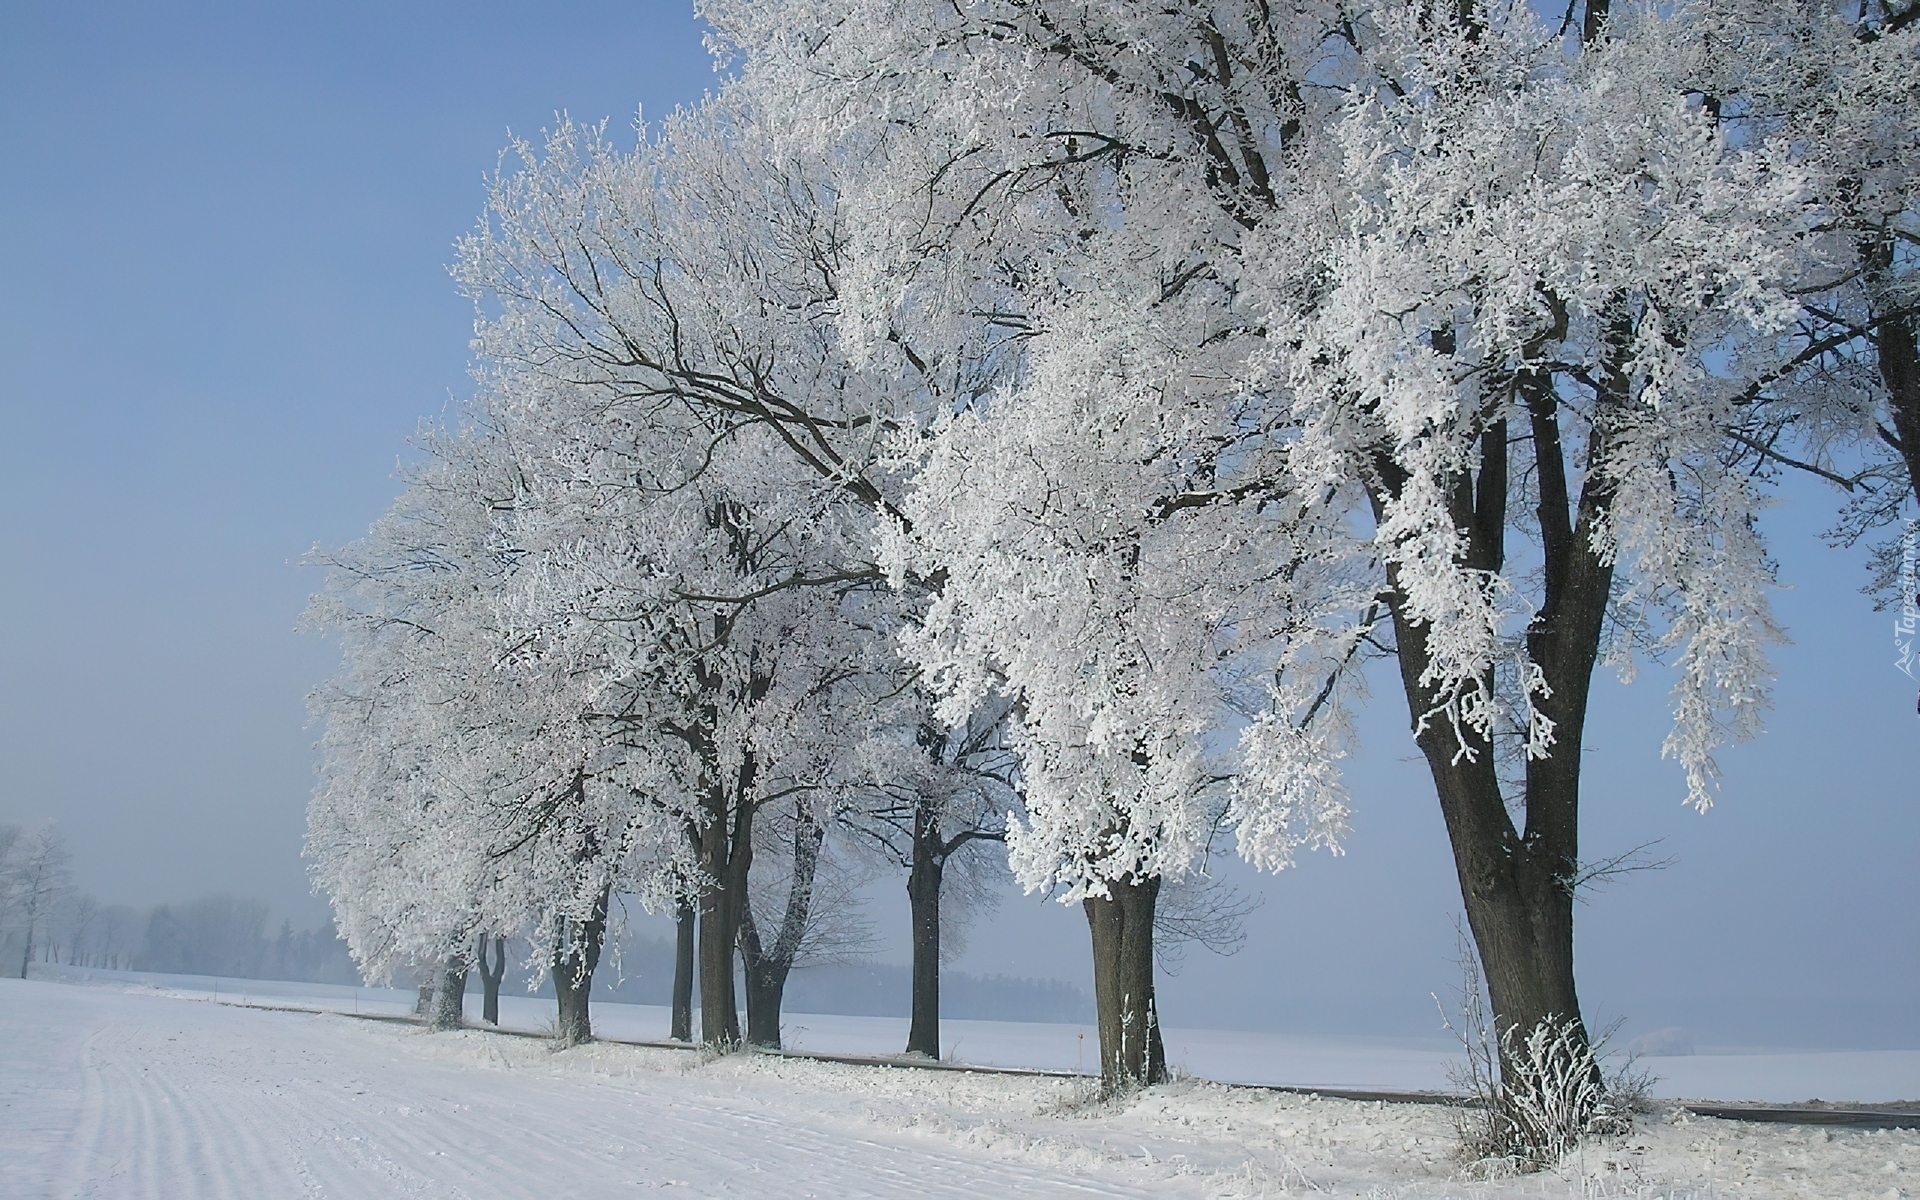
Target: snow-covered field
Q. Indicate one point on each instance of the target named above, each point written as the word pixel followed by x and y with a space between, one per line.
pixel 1222 1056
pixel 111 1092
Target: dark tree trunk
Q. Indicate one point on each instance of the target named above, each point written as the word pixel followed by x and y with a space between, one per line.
pixel 1897 347
pixel 767 966
pixel 726 854
pixel 683 929
pixel 1121 923
pixel 766 980
pixel 450 996
pixel 490 978
pixel 923 895
pixel 718 928
pixel 573 968
pixel 1517 883
pixel 764 990
pixel 931 849
pixel 1516 888
pixel 723 832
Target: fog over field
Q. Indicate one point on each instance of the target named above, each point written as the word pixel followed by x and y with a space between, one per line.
pixel 226 306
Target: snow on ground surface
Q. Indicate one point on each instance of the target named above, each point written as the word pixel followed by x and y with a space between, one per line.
pixel 1222 1056
pixel 113 1091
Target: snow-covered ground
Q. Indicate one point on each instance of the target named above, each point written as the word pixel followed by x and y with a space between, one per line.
pixel 1223 1056
pixel 112 1092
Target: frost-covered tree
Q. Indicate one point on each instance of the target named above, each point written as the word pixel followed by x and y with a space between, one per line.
pixel 41 878
pixel 1034 178
pixel 562 656
pixel 933 808
pixel 727 702
pixel 9 891
pixel 468 784
pixel 660 323
pixel 1334 321
pixel 116 937
pixel 1841 86
pixel 78 923
pixel 766 961
pixel 491 958
pixel 605 628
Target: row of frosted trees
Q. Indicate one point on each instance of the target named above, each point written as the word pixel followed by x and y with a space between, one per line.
pixel 1026 421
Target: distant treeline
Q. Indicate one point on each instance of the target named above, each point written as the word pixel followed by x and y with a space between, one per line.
pixel 642 973
pixel 45 919
pixel 214 935
pixel 223 935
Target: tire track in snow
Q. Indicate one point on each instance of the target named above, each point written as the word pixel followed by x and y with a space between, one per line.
pixel 154 1122
pixel 182 1101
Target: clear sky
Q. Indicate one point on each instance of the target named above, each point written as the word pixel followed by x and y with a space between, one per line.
pixel 223 307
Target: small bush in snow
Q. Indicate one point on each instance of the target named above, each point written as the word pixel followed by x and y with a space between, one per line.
pixel 1530 1097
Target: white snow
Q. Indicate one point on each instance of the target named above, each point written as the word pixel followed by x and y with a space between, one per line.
pixel 111 1092
pixel 1725 1074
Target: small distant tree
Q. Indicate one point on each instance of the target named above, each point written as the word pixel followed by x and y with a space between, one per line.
pixel 117 936
pixel 164 948
pixel 283 951
pixel 933 809
pixel 818 912
pixel 82 913
pixel 42 879
pixel 9 890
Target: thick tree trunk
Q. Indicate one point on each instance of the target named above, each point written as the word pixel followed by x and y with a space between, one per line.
pixel 1897 348
pixel 1131 1051
pixel 923 895
pixel 573 1023
pixel 726 854
pixel 723 834
pixel 1900 369
pixel 1516 890
pixel 683 922
pixel 490 978
pixel 764 990
pixel 1517 883
pixel 573 968
pixel 450 996
pixel 766 979
pixel 719 1016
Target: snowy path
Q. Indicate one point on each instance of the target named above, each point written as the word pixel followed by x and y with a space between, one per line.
pixel 106 1092
pixel 152 1097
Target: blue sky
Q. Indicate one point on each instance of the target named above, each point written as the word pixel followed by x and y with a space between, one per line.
pixel 223 307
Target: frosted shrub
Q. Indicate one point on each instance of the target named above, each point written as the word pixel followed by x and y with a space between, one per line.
pixel 1552 1092
pixel 1530 1097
